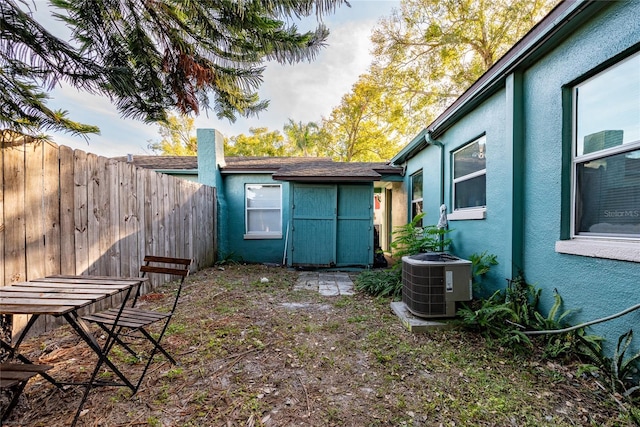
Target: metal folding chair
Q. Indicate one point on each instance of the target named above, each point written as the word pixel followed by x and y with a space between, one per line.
pixel 15 376
pixel 134 320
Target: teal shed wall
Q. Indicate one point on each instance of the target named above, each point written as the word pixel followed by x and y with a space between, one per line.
pixel 331 225
pixel 345 239
pixel 527 177
pixel 252 250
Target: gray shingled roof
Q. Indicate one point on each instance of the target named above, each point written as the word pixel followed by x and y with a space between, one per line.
pixel 163 162
pixel 283 168
pixel 335 171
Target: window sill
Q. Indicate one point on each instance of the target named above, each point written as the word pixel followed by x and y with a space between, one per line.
pixel 622 250
pixel 467 214
pixel 257 236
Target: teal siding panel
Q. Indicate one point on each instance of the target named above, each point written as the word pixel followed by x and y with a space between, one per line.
pixel 355 225
pixel 233 227
pixel 314 226
pixel 313 243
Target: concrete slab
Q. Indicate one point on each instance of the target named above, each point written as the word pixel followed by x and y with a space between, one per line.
pixel 327 283
pixel 417 324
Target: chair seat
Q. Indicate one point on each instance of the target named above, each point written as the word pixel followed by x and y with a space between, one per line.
pixel 132 322
pixel 15 373
pixel 130 318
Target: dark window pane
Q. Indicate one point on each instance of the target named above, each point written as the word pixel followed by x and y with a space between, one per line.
pixel 472 158
pixel 416 186
pixel 416 208
pixel 471 193
pixel 608 195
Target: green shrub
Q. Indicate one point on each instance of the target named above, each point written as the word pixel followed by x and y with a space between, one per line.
pixel 380 283
pixel 412 238
pixel 409 239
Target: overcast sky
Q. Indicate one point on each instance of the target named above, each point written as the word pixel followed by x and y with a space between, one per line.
pixel 303 92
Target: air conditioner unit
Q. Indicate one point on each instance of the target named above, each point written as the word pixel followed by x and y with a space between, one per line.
pixel 432 282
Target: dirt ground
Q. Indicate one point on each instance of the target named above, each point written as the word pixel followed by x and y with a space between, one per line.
pixel 259 353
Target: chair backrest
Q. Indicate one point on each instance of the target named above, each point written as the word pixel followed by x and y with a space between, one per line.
pixel 167 265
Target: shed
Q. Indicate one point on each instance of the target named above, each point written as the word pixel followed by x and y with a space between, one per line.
pixel 296 211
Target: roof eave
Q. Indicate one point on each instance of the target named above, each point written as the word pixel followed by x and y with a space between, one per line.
pixel 326 178
pixel 177 171
pixel 557 24
pixel 230 171
pixel 411 149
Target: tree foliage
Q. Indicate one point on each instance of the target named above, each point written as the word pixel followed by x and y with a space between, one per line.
pixel 364 126
pixel 303 138
pixel 178 137
pixel 261 142
pixel 429 52
pixel 149 56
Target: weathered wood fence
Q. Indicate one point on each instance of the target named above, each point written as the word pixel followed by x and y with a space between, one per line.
pixel 64 211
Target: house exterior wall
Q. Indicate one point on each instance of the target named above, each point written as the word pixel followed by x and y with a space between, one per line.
pixel 597 286
pixel 528 185
pixel 472 236
pixel 268 250
pixel 210 157
pixel 399 215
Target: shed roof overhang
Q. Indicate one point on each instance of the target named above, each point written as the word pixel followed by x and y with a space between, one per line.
pixel 544 36
pixel 338 172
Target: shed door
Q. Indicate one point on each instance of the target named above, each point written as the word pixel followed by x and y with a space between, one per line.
pixel 314 225
pixel 355 225
pixel 332 225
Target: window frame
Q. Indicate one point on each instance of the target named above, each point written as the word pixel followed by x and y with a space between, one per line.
pixel 577 160
pixel 471 212
pixel 418 201
pixel 250 235
pixel 604 246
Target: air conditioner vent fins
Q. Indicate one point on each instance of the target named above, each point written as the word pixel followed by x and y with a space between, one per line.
pixel 433 282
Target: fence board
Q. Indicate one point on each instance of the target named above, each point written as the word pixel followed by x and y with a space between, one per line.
pixel 185 216
pixel 128 204
pixel 141 212
pixel 51 204
pixel 15 262
pixel 81 211
pixel 113 213
pixel 93 212
pixel 67 221
pixel 65 211
pixel 15 256
pixel 33 206
pixel 151 224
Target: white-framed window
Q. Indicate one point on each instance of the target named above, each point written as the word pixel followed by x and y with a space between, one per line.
pixel 416 194
pixel 470 180
pixel 606 153
pixel 263 211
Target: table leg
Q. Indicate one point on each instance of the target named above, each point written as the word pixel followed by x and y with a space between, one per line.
pixel 83 331
pixel 13 350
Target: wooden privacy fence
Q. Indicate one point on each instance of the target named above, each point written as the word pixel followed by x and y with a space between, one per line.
pixel 64 211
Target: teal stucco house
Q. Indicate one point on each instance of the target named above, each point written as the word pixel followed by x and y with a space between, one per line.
pixel 538 162
pixel 294 211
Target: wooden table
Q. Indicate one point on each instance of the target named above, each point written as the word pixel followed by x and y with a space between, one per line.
pixel 64 296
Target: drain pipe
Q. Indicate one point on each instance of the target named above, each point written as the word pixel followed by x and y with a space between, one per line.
pixel 430 140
